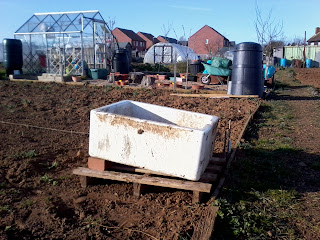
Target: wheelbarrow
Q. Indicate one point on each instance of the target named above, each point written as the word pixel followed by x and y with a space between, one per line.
pixel 222 74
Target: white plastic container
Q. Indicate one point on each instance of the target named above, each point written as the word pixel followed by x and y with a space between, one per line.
pixel 167 140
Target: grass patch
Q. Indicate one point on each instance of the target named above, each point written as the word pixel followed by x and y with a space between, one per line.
pixel 259 201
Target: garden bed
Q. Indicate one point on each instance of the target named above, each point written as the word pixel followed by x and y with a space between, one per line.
pixel 44 130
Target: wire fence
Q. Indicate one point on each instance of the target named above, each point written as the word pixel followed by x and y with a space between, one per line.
pixel 45 128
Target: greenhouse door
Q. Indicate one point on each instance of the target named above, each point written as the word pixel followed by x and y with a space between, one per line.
pixel 64 54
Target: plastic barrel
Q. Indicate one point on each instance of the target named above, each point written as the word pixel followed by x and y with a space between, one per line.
pixel 247 70
pixel 196 67
pixel 12 55
pixel 308 63
pixel 121 61
pixel 283 62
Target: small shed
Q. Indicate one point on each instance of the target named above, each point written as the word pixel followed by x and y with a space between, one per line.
pixel 168 52
pixel 64 43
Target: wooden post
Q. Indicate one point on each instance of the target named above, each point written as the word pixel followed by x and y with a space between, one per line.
pixel 84 181
pixel 138 189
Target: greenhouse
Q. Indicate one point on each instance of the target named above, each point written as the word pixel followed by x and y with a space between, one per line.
pixel 65 43
pixel 168 52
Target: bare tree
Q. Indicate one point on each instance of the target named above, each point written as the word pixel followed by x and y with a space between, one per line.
pixel 268 30
pixel 297 41
pixel 212 47
pixel 166 29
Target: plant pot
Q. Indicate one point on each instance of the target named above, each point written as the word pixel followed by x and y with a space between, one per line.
pixel 178 85
pixel 161 77
pixel 76 78
pixel 183 75
pixel 123 83
pixel 197 87
pixel 117 83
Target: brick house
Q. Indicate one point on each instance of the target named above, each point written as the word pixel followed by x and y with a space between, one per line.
pixel 125 35
pixel 167 39
pixel 315 39
pixel 207 42
pixel 149 38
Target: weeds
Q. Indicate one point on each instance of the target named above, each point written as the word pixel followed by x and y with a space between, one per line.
pixel 25 102
pixel 47 179
pixel 5 209
pixel 28 154
pixel 151 93
pixel 108 88
pixel 50 166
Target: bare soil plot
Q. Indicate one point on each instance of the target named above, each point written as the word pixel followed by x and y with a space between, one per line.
pixel 308 76
pixel 40 198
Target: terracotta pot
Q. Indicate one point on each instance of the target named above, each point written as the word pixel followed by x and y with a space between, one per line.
pixel 76 78
pixel 123 83
pixel 117 83
pixel 178 85
pixel 183 75
pixel 197 87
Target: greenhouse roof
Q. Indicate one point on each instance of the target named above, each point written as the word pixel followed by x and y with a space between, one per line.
pixel 60 22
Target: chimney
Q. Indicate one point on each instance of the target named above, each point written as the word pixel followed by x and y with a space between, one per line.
pixel 317 30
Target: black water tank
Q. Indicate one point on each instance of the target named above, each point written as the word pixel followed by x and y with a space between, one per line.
pixel 196 67
pixel 247 70
pixel 121 61
pixel 12 55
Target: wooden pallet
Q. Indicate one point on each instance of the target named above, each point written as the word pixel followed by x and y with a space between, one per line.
pixel 100 168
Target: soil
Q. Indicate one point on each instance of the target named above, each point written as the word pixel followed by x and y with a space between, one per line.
pixel 40 198
pixel 308 76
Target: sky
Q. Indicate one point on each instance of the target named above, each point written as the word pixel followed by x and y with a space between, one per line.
pixel 234 19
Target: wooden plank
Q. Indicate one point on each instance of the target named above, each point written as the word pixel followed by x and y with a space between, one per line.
pixel 213 95
pixel 203 230
pixel 142 179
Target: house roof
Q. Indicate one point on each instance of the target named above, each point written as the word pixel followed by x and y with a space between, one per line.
pixel 210 28
pixel 315 38
pixel 147 35
pixel 169 39
pixel 131 34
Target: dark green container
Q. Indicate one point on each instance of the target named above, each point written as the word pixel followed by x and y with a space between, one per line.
pixel 12 55
pixel 99 73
